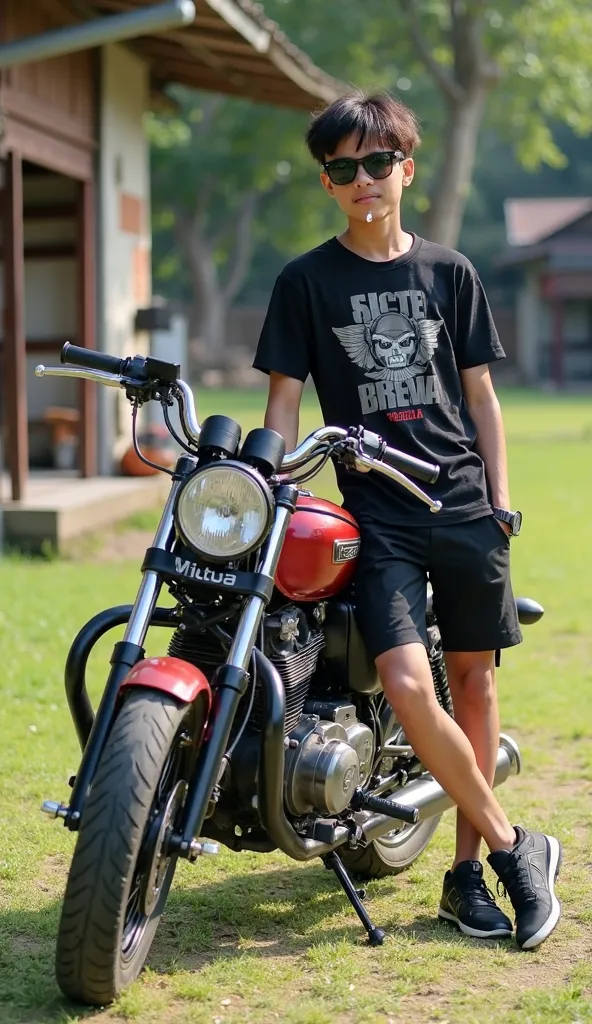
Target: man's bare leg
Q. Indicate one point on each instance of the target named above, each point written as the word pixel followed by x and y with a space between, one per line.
pixel 440 743
pixel 471 677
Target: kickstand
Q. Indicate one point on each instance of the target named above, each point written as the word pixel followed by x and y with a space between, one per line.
pixel 355 896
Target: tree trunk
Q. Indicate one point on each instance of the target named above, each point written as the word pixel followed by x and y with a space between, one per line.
pixel 213 296
pixel 465 87
pixel 444 218
pixel 209 311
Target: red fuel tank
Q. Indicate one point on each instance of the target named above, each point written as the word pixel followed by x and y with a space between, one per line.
pixel 320 551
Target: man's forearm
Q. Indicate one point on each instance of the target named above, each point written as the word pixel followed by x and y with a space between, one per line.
pixel 285 422
pixel 491 445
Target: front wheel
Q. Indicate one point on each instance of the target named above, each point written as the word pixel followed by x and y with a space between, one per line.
pixel 120 873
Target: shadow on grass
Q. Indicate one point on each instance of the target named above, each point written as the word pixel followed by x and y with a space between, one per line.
pixel 276 913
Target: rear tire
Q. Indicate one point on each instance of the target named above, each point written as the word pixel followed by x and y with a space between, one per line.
pixel 112 904
pixel 392 853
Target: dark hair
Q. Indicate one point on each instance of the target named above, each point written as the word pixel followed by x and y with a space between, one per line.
pixel 378 117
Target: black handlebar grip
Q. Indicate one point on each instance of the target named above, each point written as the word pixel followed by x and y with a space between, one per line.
pixel 394 810
pixel 90 359
pixel 425 471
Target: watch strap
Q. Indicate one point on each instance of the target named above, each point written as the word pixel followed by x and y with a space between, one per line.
pixel 503 514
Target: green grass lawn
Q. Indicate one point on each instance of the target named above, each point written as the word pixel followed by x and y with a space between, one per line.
pixel 260 939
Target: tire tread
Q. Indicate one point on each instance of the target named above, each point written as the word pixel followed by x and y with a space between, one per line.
pixel 88 946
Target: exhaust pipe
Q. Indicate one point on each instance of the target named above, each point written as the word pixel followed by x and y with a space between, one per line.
pixel 425 793
pixel 430 799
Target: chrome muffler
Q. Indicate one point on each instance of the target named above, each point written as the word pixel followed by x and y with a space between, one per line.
pixel 430 799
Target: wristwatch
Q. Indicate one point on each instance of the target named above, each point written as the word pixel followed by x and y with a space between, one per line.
pixel 513 519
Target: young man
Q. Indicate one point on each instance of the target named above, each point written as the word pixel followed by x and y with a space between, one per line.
pixel 397 335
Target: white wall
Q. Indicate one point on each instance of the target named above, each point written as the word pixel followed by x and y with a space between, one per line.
pixel 123 177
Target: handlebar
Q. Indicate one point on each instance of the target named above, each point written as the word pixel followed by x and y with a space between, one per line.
pixel 427 472
pixel 90 359
pixel 359 448
pixel 373 444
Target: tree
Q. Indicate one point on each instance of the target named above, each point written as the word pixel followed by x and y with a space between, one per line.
pixel 518 65
pixel 208 183
pixel 230 175
pixel 530 61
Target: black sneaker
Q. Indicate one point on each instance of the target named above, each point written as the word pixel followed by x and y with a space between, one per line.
pixel 527 873
pixel 468 903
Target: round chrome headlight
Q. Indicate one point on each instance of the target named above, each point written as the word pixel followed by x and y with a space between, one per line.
pixel 224 511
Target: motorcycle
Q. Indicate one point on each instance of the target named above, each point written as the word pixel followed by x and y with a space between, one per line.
pixel 264 726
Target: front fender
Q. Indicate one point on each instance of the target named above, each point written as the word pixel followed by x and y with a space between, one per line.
pixel 174 676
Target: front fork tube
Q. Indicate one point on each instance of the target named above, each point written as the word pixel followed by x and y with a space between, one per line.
pixel 149 590
pixel 125 655
pixel 229 684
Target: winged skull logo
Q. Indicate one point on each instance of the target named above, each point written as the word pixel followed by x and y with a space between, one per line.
pixel 393 347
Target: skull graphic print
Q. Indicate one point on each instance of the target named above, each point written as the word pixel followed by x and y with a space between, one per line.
pixel 393 347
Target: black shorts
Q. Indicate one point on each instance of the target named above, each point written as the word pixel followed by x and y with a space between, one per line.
pixel 468 565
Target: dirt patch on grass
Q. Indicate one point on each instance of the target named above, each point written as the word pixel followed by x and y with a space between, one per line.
pixel 27 945
pixel 112 545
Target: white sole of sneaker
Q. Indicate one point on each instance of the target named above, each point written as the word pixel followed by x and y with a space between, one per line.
pixel 498 933
pixel 551 922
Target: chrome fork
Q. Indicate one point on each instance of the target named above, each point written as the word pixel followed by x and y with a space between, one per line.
pixel 244 638
pixel 151 584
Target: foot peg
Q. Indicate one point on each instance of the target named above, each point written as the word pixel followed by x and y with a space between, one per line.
pixel 54 809
pixel 333 863
pixel 362 801
pixel 202 849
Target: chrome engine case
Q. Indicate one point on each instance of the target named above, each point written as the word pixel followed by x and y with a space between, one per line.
pixel 326 761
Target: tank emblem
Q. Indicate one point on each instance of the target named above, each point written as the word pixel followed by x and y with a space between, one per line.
pixel 346 550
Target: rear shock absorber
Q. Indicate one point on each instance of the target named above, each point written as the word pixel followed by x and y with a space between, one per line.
pixel 438 667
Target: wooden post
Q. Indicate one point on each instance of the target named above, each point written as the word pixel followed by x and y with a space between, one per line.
pixel 86 329
pixel 557 340
pixel 15 360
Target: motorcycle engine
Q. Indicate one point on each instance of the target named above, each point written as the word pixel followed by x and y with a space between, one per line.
pixel 330 753
pixel 328 750
pixel 288 641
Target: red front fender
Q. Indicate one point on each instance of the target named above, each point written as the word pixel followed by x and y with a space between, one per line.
pixel 171 675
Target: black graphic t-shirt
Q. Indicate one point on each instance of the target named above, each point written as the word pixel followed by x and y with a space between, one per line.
pixel 384 344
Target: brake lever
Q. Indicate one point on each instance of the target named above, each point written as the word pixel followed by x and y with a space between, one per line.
pixel 364 463
pixel 98 376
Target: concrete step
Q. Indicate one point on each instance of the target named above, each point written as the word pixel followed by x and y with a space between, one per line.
pixel 59 507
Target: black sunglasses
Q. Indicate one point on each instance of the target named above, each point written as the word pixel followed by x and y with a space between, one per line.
pixel 343 170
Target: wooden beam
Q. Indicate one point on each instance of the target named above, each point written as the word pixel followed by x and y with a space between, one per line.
pixel 46 346
pixel 15 361
pixel 86 321
pixel 226 45
pixel 59 251
pixel 259 90
pixel 50 211
pixel 251 65
pixel 201 21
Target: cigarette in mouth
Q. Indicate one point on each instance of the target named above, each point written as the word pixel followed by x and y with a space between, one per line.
pixel 368 218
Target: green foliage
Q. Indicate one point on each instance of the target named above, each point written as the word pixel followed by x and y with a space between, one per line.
pixel 544 50
pixel 216 151
pixel 206 158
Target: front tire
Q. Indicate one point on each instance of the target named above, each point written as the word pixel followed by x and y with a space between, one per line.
pixel 118 881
